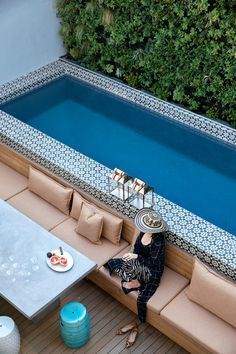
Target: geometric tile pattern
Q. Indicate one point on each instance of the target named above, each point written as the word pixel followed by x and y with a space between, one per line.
pixel 211 244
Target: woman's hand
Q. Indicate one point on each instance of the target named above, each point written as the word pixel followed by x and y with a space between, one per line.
pixel 129 256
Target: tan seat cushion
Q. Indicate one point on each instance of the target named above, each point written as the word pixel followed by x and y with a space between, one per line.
pixel 171 285
pixel 90 225
pixel 50 190
pixel 11 182
pixel 37 209
pixel 213 333
pixel 211 290
pixel 99 253
pixel 112 225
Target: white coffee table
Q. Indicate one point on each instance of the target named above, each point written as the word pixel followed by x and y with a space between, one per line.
pixel 27 282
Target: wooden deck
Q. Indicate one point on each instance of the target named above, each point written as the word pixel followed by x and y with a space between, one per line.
pixel 107 315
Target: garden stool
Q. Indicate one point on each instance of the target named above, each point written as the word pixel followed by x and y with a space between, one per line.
pixel 9 336
pixel 74 324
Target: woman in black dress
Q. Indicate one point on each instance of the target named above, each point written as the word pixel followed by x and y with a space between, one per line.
pixel 142 269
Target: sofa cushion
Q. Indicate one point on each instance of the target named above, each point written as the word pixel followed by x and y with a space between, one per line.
pixel 37 209
pixel 112 225
pixel 210 290
pixel 50 190
pixel 99 253
pixel 11 182
pixel 171 285
pixel 90 225
pixel 210 331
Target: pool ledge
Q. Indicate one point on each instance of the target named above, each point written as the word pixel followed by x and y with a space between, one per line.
pixel 186 230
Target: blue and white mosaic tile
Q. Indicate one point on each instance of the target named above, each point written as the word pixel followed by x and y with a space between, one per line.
pixel 213 245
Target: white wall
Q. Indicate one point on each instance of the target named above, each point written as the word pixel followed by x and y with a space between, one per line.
pixel 28 36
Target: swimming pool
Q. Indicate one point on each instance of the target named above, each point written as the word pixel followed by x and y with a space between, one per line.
pixel 188 167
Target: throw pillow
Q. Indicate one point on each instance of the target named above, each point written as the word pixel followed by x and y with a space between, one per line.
pixel 90 224
pixel 213 292
pixel 50 190
pixel 112 225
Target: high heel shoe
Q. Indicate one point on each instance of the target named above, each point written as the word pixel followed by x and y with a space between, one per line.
pixel 132 337
pixel 126 328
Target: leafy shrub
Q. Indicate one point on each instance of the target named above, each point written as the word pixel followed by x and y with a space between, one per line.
pixel 183 51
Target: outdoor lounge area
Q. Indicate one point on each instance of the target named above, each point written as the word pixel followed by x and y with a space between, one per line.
pixel 117 177
pixel 169 310
pixel 107 315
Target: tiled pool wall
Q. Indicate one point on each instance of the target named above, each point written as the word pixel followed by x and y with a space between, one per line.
pixel 213 245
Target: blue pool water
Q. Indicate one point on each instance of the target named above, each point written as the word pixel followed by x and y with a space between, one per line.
pixel 189 168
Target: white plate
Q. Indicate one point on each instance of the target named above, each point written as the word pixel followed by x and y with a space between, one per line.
pixel 58 267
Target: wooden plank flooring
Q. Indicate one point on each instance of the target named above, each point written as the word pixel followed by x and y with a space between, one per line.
pixel 107 315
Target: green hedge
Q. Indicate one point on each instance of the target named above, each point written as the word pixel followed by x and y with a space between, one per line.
pixel 183 51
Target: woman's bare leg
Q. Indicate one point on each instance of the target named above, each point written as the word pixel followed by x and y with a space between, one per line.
pixel 131 284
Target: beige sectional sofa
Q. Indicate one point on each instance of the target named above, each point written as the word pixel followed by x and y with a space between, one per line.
pixel 62 225
pixel 169 310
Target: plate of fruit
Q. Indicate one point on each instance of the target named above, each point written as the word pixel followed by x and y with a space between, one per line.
pixel 59 260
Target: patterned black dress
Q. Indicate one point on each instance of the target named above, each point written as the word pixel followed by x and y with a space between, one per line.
pixel 147 268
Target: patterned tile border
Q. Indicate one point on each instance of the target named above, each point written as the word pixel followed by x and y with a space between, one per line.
pixel 211 244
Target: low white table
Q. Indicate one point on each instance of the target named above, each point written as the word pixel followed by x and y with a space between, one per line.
pixel 26 280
